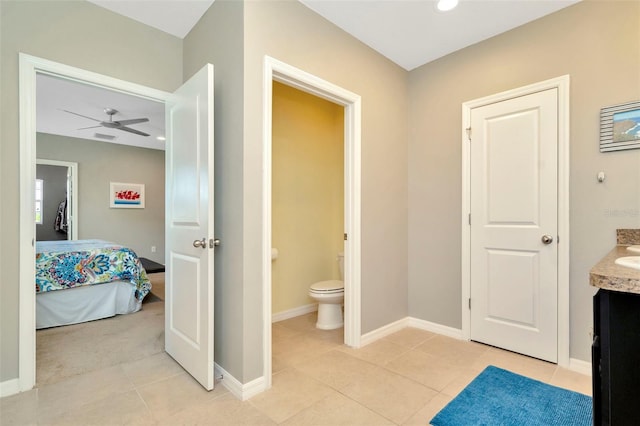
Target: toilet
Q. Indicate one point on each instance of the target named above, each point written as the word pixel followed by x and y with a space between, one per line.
pixel 329 295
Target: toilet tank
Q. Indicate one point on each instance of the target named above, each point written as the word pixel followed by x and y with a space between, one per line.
pixel 341 264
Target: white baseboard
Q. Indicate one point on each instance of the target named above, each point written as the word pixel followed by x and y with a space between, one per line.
pixel 239 390
pixel 295 312
pixel 580 366
pixel 383 331
pixel 444 330
pixel 9 387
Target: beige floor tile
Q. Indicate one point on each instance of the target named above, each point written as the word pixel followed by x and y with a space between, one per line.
pixel 379 352
pixel 122 409
pixel 225 410
pixel 291 392
pixel 20 409
pixel 431 371
pixel 458 352
pixel 428 412
pixel 169 396
pixel 280 332
pixel 392 396
pixel 464 377
pixel 516 363
pixel 410 337
pixel 303 323
pixel 299 349
pixel 60 397
pixel 152 369
pixel 337 369
pixel 337 410
pixel 571 380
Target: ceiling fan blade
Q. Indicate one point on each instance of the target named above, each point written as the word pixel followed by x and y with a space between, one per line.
pixel 85 128
pixel 130 130
pixel 133 121
pixel 80 115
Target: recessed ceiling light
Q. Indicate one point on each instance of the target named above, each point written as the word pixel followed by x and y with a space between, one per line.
pixel 446 5
pixel 160 138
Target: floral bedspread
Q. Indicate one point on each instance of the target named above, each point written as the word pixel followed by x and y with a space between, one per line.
pixel 66 264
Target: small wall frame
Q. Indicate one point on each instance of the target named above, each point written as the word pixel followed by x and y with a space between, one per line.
pixel 126 195
pixel 620 127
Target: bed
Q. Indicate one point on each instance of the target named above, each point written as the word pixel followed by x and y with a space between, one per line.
pixel 85 280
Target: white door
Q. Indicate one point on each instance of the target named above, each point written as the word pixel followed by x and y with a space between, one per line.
pixel 189 227
pixel 514 255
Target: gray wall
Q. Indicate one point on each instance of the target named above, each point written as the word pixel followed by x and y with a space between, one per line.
pixel 100 163
pixel 54 184
pixel 598 45
pixel 80 34
pixel 218 39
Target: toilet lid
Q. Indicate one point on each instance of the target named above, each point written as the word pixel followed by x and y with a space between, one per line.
pixel 327 286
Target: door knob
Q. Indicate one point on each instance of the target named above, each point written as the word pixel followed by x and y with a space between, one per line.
pixel 547 239
pixel 200 243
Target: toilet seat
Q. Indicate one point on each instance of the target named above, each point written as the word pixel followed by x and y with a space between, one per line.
pixel 327 287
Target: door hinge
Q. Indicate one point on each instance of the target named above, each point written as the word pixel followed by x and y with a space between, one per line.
pixel 469 219
pixel 468 129
pixel 469 303
pixel 345 236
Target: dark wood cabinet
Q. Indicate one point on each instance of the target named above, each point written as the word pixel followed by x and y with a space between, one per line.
pixel 616 358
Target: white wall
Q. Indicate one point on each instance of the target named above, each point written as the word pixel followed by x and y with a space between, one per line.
pixel 598 45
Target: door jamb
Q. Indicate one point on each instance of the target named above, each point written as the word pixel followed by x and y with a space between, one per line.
pixel 74 190
pixel 29 66
pixel 294 77
pixel 562 85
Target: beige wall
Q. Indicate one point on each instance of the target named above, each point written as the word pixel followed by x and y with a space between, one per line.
pixel 292 33
pixel 100 163
pixel 78 34
pixel 598 44
pixel 307 194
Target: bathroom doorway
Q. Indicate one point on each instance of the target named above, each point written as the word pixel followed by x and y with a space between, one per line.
pixel 349 104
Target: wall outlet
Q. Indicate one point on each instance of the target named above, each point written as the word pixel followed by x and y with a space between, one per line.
pixel 153 249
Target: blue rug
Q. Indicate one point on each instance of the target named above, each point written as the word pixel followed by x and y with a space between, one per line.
pixel 499 397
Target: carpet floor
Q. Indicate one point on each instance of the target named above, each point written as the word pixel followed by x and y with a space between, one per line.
pixel 63 352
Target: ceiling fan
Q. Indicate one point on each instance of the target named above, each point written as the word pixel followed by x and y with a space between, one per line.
pixel 118 125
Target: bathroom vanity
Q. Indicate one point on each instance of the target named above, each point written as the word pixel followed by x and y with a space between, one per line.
pixel 616 340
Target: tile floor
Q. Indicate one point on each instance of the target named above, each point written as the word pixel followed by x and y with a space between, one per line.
pixel 402 379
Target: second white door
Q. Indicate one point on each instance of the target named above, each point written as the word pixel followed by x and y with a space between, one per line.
pixel 514 224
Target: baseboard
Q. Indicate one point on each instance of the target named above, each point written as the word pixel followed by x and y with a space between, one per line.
pixel 239 390
pixel 383 331
pixel 9 387
pixel 295 312
pixel 444 330
pixel 580 366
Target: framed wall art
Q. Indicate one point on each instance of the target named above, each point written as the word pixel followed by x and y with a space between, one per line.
pixel 620 127
pixel 126 195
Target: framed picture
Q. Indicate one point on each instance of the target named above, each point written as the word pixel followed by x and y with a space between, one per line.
pixel 620 127
pixel 126 195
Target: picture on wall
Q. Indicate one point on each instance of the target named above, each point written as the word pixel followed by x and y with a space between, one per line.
pixel 620 127
pixel 126 195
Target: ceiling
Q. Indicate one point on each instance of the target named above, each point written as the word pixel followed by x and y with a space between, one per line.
pixel 408 32
pixel 55 95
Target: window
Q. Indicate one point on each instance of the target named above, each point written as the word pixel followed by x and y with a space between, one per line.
pixel 39 198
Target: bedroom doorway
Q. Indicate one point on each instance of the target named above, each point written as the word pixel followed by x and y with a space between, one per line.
pixel 59 199
pixel 192 262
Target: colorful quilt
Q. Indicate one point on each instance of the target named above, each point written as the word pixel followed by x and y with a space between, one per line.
pixel 67 264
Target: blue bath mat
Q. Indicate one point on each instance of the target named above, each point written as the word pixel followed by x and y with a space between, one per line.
pixel 498 397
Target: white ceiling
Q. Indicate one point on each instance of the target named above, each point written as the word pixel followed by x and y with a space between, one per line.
pixel 54 95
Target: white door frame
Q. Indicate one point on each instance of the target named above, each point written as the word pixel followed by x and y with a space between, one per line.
pixel 29 66
pixel 562 85
pixel 74 190
pixel 294 77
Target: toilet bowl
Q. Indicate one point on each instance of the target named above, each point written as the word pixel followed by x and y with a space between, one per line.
pixel 329 294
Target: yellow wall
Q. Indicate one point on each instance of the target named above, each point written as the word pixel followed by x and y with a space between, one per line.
pixel 307 194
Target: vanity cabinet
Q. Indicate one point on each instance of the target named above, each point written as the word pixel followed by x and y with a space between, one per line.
pixel 616 358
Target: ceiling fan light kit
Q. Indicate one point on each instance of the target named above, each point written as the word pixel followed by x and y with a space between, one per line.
pixel 111 124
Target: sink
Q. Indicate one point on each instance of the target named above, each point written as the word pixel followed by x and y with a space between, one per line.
pixel 635 249
pixel 629 262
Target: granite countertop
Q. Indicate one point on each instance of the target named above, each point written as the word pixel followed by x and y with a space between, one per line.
pixel 609 276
